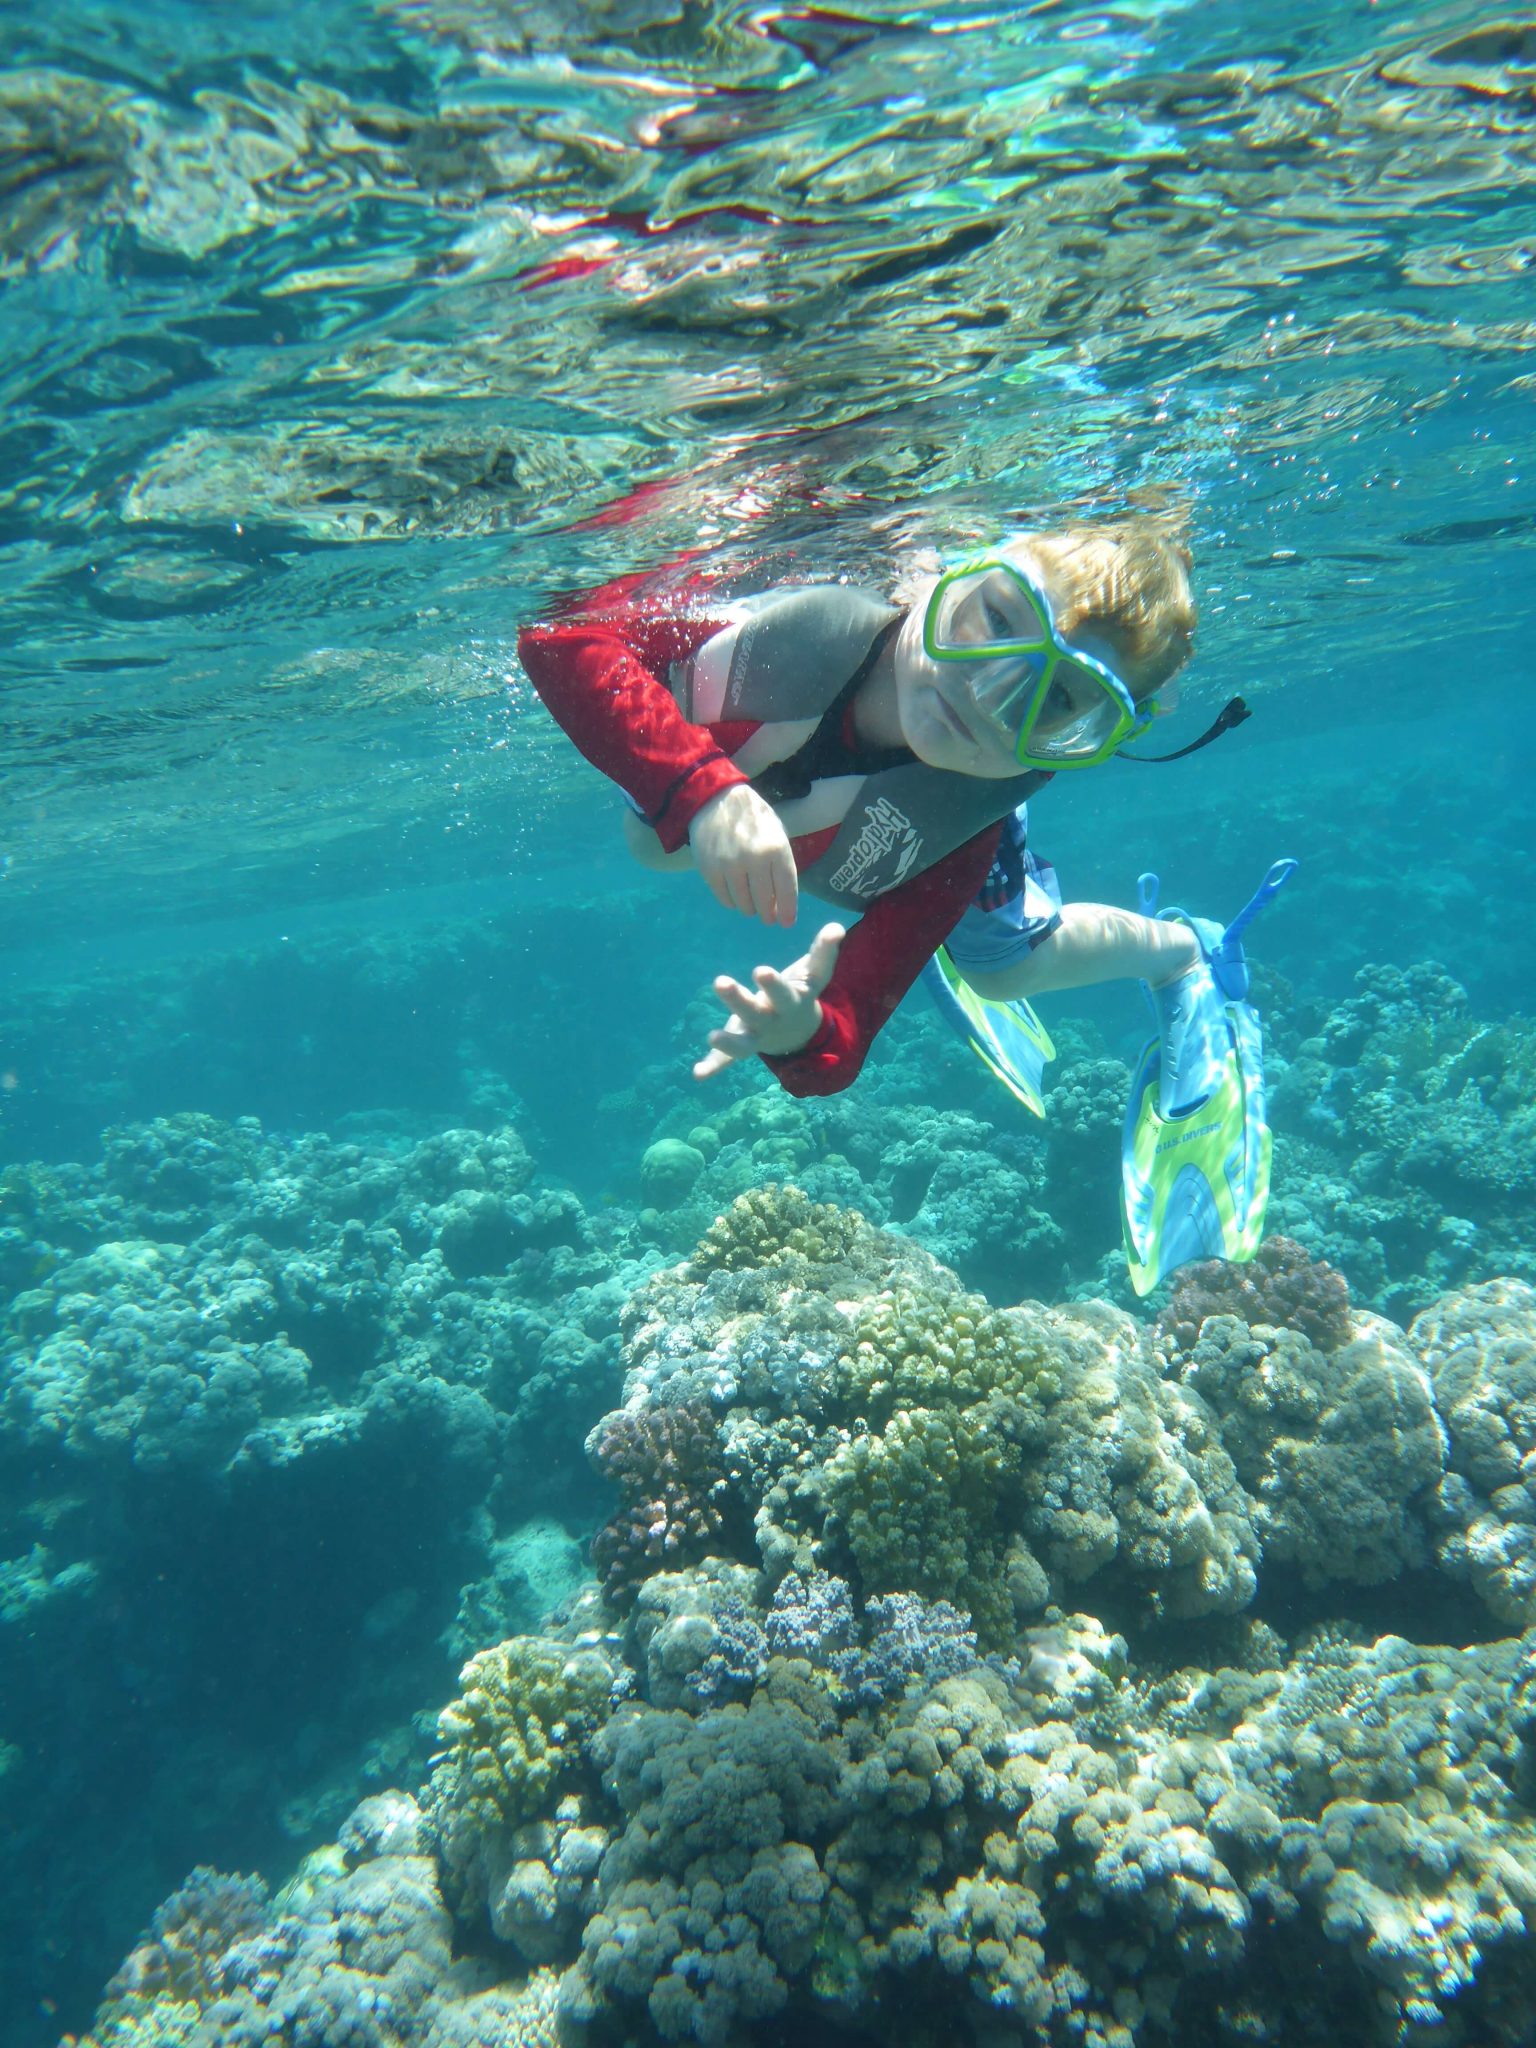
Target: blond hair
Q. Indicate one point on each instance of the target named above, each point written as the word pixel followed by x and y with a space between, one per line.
pixel 1127 580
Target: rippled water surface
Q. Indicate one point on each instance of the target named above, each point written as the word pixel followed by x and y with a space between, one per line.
pixel 337 336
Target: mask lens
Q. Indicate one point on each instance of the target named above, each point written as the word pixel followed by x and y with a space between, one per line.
pixel 1001 691
pixel 985 608
pixel 1078 715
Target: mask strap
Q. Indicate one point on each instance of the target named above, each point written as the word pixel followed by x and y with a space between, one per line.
pixel 1231 714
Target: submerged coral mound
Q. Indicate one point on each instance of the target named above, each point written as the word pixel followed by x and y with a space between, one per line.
pixel 358 1949
pixel 870 1767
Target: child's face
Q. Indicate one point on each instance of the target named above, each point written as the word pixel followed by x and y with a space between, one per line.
pixel 941 708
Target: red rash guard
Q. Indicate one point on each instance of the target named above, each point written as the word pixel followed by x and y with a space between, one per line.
pixel 600 673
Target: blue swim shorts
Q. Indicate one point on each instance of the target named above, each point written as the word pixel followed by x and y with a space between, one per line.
pixel 1017 906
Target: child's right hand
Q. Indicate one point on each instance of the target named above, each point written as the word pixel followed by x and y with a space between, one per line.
pixel 743 852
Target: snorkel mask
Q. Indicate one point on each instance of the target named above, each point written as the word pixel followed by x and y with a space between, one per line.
pixel 1053 706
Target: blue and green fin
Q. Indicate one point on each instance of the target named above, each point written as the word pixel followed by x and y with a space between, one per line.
pixel 1007 1037
pixel 1195 1179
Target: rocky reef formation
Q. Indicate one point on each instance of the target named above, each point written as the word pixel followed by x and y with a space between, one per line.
pixel 964 1710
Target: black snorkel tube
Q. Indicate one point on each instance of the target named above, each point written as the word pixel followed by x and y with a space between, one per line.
pixel 1231 714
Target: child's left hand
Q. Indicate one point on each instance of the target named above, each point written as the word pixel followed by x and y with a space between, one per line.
pixel 780 1015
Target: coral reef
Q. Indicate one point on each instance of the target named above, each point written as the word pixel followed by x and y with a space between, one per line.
pixel 1075 1848
pixel 177 1962
pixel 925 1443
pixel 1412 1140
pixel 865 1766
pixel 1340 1453
pixel 259 1395
pixel 513 1740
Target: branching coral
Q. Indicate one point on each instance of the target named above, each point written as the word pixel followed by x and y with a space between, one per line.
pixel 920 1504
pixel 712 1896
pixel 930 1346
pixel 512 1742
pixel 776 1227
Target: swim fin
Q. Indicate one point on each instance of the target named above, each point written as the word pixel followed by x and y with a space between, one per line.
pixel 1196 1152
pixel 1006 1036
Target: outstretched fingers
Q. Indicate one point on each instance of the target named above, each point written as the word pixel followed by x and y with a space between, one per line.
pixel 822 957
pixel 745 1004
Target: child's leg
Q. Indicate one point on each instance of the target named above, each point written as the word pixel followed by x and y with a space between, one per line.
pixel 1090 942
pixel 1019 939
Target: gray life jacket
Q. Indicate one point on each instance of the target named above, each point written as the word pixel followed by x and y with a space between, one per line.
pixel 781 662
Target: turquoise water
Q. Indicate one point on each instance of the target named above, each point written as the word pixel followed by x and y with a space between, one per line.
pixel 335 341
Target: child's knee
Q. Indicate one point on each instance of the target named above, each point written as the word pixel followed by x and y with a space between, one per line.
pixel 1027 973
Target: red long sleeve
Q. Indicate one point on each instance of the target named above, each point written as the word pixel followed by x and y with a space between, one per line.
pixel 599 671
pixel 601 680
pixel 880 959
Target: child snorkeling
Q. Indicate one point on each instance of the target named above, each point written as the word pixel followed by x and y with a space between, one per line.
pixel 881 757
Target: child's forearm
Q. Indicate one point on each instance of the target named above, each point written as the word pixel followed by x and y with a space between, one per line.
pixel 1095 942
